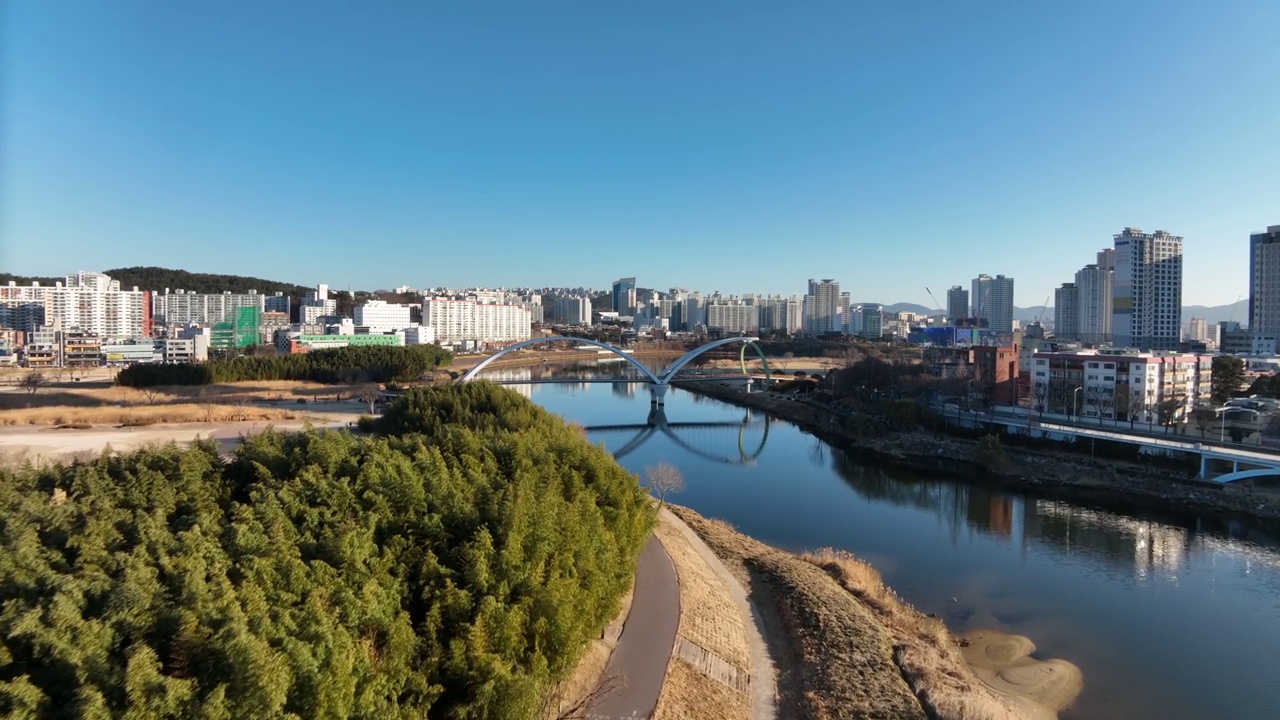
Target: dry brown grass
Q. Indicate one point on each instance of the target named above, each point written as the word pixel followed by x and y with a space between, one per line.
pixel 835 658
pixel 142 416
pixel 925 651
pixel 708 672
pixel 76 403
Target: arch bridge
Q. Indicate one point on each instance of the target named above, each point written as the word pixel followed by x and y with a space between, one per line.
pixel 657 383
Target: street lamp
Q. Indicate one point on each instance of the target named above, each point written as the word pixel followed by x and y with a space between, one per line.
pixel 1075 405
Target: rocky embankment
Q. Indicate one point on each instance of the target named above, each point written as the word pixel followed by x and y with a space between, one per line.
pixel 1119 485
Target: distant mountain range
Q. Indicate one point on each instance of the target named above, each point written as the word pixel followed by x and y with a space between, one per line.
pixel 1237 311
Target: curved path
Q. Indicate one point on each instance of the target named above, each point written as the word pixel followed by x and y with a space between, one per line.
pixel 644 647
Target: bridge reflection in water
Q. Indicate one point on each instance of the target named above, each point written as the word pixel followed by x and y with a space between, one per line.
pixel 697 438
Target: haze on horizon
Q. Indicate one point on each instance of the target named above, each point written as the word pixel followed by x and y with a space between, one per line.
pixel 741 147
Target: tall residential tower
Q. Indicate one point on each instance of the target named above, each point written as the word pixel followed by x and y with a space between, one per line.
pixel 993 301
pixel 1264 283
pixel 1147 290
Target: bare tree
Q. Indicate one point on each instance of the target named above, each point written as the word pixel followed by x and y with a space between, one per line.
pixel 785 360
pixel 663 478
pixel 207 403
pixel 1040 398
pixel 241 407
pixel 33 382
pixel 151 394
pixel 1204 417
pixel 368 393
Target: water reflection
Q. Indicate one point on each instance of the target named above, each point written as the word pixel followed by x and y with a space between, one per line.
pixel 706 439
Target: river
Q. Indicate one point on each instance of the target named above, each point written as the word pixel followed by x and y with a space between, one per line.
pixel 1167 617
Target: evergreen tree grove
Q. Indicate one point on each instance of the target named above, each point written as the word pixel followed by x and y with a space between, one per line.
pixel 455 567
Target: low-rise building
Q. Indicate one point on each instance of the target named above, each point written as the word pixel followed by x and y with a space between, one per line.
pixel 131 351
pixel 382 317
pixel 1120 386
pixel 81 349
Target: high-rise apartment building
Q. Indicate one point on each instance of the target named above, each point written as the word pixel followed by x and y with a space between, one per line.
pixel 1264 283
pixel 1093 283
pixel 624 296
pixel 823 315
pixel 88 302
pixel 1147 290
pixel 993 301
pixel 458 320
pixel 180 308
pixel 957 304
pixel 571 310
pixel 733 315
pixel 1066 311
pixel 1198 330
pixel 779 313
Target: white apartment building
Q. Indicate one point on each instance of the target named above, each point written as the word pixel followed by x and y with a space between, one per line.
pixel 1264 282
pixel 1198 330
pixel 1093 283
pixel 461 320
pixel 1147 290
pixel 383 317
pixel 1119 386
pixel 779 313
pixel 184 308
pixel 318 305
pixel 993 301
pixel 733 316
pixel 571 310
pixel 91 302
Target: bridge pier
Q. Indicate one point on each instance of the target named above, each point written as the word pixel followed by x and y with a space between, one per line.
pixel 658 394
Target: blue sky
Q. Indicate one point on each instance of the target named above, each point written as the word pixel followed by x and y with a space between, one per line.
pixel 733 146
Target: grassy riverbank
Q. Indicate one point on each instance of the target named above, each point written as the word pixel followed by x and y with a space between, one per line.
pixel 1056 473
pixel 847 646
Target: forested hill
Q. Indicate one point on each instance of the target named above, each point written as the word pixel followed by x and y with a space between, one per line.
pixel 157 279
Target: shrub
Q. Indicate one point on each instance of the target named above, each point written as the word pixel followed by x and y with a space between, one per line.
pixel 339 365
pixel 366 423
pixel 990 453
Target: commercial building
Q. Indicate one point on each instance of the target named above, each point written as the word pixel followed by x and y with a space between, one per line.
pixel 297 343
pixel 81 349
pixel 993 302
pixel 624 296
pixel 383 317
pixel 822 311
pixel 1066 311
pixel 957 303
pixel 988 371
pixel 419 335
pixel 1264 282
pixel 866 321
pixel 459 320
pixel 1120 386
pixel 131 351
pixel 1147 290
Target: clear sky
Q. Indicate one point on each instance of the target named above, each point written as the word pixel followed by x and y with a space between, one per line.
pixel 734 146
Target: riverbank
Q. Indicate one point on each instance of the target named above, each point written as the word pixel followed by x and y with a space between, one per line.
pixel 846 646
pixel 1056 474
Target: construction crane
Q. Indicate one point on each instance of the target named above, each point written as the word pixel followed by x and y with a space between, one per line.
pixel 1045 306
pixel 945 309
pixel 1232 318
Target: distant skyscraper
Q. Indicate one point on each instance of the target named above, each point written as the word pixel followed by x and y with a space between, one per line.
pixel 825 315
pixel 1066 311
pixel 1198 330
pixel 624 296
pixel 993 301
pixel 1264 283
pixel 1094 309
pixel 843 311
pixel 1146 311
pixel 957 303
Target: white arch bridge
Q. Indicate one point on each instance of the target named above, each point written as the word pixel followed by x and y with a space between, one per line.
pixel 657 384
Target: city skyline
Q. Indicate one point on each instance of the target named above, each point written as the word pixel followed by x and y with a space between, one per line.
pixel 759 147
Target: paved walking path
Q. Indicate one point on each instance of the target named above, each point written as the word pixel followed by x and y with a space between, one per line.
pixel 648 635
